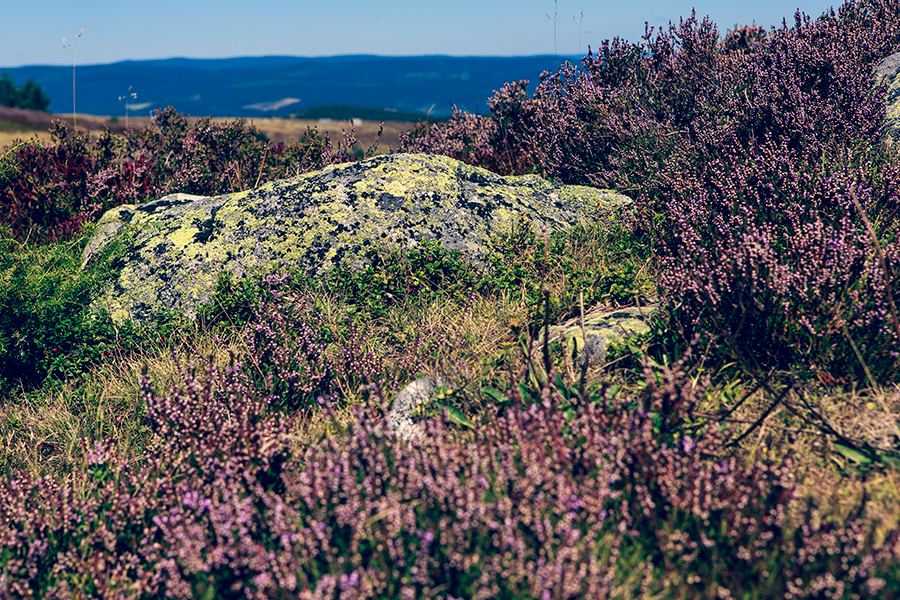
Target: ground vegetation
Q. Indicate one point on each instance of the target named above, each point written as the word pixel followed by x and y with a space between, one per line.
pixel 747 447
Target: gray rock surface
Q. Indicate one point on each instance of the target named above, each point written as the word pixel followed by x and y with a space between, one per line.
pixel 400 418
pixel 600 327
pixel 178 245
pixel 889 70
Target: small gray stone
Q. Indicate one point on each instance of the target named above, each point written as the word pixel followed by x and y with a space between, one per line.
pixel 415 395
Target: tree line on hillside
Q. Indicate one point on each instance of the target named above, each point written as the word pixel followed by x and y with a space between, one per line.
pixel 30 95
pixel 339 112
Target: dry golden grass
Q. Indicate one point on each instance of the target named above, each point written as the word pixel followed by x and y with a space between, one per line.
pixel 795 428
pixel 19 126
pixel 41 431
pixel 9 135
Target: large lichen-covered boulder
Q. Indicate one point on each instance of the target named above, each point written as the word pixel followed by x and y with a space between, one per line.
pixel 888 70
pixel 177 246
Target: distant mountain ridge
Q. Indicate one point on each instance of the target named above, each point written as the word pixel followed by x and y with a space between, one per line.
pixel 278 85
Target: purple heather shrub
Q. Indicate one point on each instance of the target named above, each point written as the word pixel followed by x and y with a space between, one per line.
pixel 765 248
pixel 206 158
pixel 636 111
pixel 786 275
pixel 56 188
pixel 533 503
pixel 741 165
pixel 500 143
pixel 298 360
pixel 46 197
pixel 466 137
pixel 287 350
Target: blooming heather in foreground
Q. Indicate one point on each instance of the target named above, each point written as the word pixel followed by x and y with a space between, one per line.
pixel 533 504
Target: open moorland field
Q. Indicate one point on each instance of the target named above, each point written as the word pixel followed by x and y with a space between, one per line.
pixel 17 124
pixel 746 446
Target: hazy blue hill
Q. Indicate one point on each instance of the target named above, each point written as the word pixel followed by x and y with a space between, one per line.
pixel 215 64
pixel 226 87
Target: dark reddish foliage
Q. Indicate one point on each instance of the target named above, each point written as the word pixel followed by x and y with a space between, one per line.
pixel 54 189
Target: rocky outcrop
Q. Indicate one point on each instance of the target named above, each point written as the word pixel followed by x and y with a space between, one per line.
pixel 888 70
pixel 601 326
pixel 177 246
pixel 589 344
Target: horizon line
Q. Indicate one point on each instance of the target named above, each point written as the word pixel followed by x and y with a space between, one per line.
pixel 289 56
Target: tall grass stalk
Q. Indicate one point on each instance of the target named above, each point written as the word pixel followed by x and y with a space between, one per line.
pixel 128 97
pixel 554 19
pixel 74 51
pixel 582 31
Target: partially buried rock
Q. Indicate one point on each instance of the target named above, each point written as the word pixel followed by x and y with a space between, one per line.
pixel 179 245
pixel 888 70
pixel 412 399
pixel 601 326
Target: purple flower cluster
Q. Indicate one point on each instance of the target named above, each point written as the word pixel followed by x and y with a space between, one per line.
pixel 300 362
pixel 743 156
pixel 538 502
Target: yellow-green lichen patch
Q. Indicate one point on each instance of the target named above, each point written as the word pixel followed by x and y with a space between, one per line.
pixel 892 118
pixel 600 327
pixel 237 197
pixel 889 71
pixel 183 236
pixel 342 213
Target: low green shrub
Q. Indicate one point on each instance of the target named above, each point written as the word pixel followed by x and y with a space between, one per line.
pixel 602 264
pixel 46 327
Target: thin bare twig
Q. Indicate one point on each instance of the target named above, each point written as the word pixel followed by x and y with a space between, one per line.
pixel 765 414
pixel 262 165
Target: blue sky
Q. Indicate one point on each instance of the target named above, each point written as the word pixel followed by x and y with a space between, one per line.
pixel 32 31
